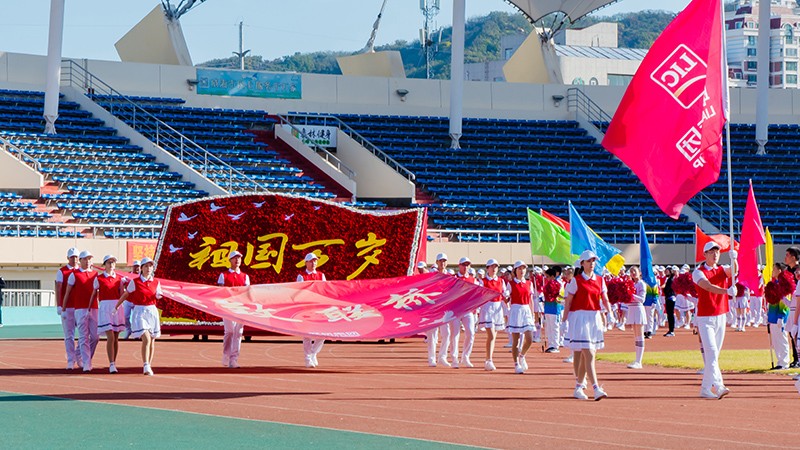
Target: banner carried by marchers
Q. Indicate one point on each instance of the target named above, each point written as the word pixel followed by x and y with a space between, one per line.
pixel 346 310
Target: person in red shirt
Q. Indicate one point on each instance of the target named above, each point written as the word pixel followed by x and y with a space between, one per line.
pixel 586 295
pixel 108 289
pixel 712 281
pixel 128 306
pixel 79 294
pixel 232 339
pixel 491 316
pixel 520 315
pixel 311 347
pixel 443 331
pixel 66 312
pixel 143 291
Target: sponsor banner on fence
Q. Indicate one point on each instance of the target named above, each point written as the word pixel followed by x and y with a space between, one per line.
pixel 139 249
pixel 314 134
pixel 249 84
pixel 346 310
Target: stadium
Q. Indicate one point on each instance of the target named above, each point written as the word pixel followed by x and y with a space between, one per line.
pixel 102 155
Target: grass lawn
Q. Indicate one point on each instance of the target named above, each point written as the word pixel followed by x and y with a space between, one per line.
pixel 747 361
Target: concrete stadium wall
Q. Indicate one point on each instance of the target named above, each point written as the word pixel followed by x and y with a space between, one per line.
pixel 18 177
pixel 376 180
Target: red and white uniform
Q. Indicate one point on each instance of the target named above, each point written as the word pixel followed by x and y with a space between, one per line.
pixel 468 320
pixel 711 320
pixel 81 284
pixel 757 306
pixel 636 311
pixel 143 293
pixel 311 347
pixel 232 339
pixel 492 315
pixel 67 316
pixel 585 322
pixel 109 288
pixel 520 315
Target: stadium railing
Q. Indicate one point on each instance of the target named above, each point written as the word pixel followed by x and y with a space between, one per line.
pixel 29 297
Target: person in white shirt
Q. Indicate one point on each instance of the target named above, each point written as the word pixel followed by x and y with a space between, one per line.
pixel 637 316
pixel 311 347
pixel 232 337
pixel 491 315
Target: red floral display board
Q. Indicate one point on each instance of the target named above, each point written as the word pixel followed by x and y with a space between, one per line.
pixel 274 233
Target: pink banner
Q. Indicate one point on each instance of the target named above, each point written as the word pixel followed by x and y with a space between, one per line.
pixel 752 237
pixel 344 310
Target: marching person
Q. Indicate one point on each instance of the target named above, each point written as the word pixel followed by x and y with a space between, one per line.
pixel 311 347
pixel 80 294
pixel 586 294
pixel 637 315
pixel 492 318
pixel 740 307
pixel 108 289
pixel 128 306
pixel 467 320
pixel 778 316
pixel 232 339
pixel 422 268
pixel 443 331
pixel 712 305
pixel 66 311
pixel 757 303
pixel 143 291
pixel 520 316
pixel 669 300
pixel 553 311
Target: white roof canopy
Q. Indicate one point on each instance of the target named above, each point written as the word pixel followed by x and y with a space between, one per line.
pixel 574 9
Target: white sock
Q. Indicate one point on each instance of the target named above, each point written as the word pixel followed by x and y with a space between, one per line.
pixel 639 344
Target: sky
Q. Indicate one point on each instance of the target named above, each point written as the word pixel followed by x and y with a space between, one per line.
pixel 272 28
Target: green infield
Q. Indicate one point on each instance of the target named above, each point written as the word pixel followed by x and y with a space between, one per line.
pixel 32 332
pixel 745 361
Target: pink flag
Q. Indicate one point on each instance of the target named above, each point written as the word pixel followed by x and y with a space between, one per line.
pixel 752 237
pixel 668 126
pixel 346 310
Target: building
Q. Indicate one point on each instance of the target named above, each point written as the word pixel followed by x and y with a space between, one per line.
pixel 742 36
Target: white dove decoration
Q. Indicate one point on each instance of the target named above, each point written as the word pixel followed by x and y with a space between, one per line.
pixel 316 208
pixel 288 218
pixel 173 249
pixel 258 205
pixel 184 218
pixel 192 235
pixel 214 207
pixel 236 216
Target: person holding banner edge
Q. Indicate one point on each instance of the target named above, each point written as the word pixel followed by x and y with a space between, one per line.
pixel 232 337
pixel 712 304
pixel 311 347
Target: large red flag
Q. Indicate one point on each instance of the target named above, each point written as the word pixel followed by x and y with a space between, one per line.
pixel 555 219
pixel 752 237
pixel 701 239
pixel 668 126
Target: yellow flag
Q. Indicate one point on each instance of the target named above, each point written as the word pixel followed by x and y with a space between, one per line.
pixel 615 264
pixel 769 255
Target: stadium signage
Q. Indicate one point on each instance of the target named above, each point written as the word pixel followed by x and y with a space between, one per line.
pixel 239 83
pixel 314 134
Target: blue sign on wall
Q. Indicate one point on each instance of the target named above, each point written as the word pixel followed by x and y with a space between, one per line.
pixel 249 84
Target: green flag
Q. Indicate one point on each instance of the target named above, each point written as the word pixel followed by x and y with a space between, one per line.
pixel 548 239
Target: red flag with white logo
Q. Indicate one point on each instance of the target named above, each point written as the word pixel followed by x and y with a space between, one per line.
pixel 668 126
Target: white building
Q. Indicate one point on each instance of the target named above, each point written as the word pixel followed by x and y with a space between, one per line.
pixel 742 35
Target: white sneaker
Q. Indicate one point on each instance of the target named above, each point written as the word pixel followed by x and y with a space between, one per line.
pixel 147 370
pixel 634 365
pixel 687 327
pixel 112 368
pixel 431 362
pixel 314 359
pixel 225 361
pixel 579 394
pixel 706 393
pixel 722 392
pixel 310 362
pixel 599 394
pixel 518 369
pixel 569 359
pixel 454 365
pixel 443 362
pixel 87 369
pixel 507 345
pixel 700 372
pixel 489 366
pixel 467 363
pixel 523 363
pixel 70 365
pixel 233 364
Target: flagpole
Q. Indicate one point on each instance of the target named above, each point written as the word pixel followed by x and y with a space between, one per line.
pixel 726 106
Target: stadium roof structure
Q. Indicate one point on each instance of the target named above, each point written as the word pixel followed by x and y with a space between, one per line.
pixel 581 51
pixel 573 9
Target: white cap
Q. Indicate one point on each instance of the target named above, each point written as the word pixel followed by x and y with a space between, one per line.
pixel 311 257
pixel 675 268
pixel 520 263
pixel 509 268
pixel 464 260
pixel 72 252
pixel 503 270
pixel 471 271
pixel 107 257
pixel 441 256
pixel 234 254
pixel 146 261
pixel 587 255
pixel 492 262
pixel 136 263
pixel 450 272
pixel 421 265
pixel 85 254
pixel 685 267
pixel 710 245
pixel 537 269
pixel 481 272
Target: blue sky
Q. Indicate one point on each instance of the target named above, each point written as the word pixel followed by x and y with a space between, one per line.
pixel 273 28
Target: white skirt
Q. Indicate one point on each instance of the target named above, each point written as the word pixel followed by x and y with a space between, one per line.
pixel 636 314
pixel 492 316
pixel 110 320
pixel 520 319
pixel 585 330
pixel 538 306
pixel 145 318
pixel 681 303
pixel 741 302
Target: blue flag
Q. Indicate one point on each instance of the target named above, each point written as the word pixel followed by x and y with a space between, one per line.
pixel 645 258
pixel 583 238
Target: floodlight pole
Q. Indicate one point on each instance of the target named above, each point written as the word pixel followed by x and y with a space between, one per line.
pixel 762 75
pixel 54 44
pixel 241 53
pixel 457 72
